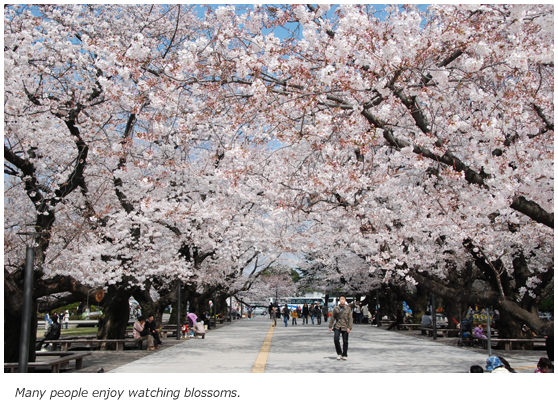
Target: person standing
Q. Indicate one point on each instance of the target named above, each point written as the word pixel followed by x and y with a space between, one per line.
pixel 325 312
pixel 305 313
pixel 312 312
pixel 294 315
pixel 365 313
pixel 285 313
pixel 61 319
pixel 318 310
pixel 341 323
pixel 270 308
pixel 358 313
pixel 273 314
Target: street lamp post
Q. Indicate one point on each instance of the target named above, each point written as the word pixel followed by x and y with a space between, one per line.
pixel 489 341
pixel 378 317
pixel 25 336
pixel 230 309
pixel 434 332
pixel 178 311
pixel 87 304
pixel 215 308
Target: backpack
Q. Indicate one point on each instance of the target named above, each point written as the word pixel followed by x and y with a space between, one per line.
pixel 466 326
pixel 53 332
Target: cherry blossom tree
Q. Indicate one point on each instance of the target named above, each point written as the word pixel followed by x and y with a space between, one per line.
pixel 422 141
pixel 119 168
pixel 275 282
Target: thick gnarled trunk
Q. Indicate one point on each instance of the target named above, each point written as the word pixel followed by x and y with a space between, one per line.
pixel 116 310
pixel 13 312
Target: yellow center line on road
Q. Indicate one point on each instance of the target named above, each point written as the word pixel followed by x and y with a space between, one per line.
pixel 261 360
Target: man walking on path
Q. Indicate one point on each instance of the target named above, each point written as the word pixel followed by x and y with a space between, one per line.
pixel 318 310
pixel 325 311
pixel 285 313
pixel 341 322
pixel 270 308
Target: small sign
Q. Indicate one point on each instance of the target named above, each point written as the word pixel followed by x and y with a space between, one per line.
pixel 99 295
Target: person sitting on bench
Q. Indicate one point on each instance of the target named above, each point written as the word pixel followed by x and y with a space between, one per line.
pixel 53 333
pixel 141 333
pixel 426 321
pixel 396 321
pixel 150 326
pixel 478 332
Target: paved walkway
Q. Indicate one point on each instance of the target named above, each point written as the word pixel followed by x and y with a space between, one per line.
pixel 240 348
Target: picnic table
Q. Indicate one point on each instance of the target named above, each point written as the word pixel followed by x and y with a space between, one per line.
pixel 61 360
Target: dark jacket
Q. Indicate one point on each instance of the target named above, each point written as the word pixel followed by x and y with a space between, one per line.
pixel 150 326
pixel 53 331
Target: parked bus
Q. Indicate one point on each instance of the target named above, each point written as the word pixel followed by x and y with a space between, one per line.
pixel 299 301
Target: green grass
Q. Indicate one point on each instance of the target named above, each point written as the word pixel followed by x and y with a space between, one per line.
pixel 70 332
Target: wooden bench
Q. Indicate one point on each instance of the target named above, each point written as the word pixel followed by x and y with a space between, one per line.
pixel 507 342
pixel 166 331
pixel 119 343
pixel 410 326
pixel 73 337
pixel 55 365
pixel 444 331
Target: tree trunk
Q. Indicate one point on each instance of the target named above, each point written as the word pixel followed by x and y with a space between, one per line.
pixel 452 310
pixel 173 320
pixel 13 312
pixel 116 310
pixel 184 294
pixel 12 330
pixel 222 307
pixel 418 302
pixel 150 307
pixel 509 327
